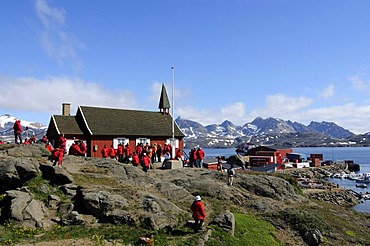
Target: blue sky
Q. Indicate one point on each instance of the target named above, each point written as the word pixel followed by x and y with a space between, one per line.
pixel 294 60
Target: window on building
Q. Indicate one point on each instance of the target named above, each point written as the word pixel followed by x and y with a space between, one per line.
pixel 143 141
pixel 122 141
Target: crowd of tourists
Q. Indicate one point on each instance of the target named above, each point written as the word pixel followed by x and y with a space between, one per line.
pixel 143 155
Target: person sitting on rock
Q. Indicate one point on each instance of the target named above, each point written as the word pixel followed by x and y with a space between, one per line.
pixel 49 147
pixel 167 157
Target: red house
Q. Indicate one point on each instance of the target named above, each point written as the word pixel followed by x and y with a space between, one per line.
pixel 263 155
pixel 106 126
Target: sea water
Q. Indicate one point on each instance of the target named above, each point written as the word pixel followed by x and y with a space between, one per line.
pixel 360 155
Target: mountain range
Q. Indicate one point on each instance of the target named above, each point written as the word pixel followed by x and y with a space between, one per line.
pixel 29 128
pixel 269 131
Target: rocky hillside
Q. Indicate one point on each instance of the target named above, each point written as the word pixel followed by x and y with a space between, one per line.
pixel 125 203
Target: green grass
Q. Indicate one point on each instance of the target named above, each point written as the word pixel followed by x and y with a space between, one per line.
pixel 249 231
pixel 11 234
pixel 35 184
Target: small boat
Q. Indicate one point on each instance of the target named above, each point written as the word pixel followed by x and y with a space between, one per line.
pixel 361 185
pixel 366 196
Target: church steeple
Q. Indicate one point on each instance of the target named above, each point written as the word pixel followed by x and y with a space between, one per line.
pixel 164 104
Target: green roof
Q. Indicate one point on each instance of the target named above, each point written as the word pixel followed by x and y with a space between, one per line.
pixel 123 122
pixel 67 124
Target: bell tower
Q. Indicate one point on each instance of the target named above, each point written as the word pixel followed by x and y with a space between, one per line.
pixel 164 104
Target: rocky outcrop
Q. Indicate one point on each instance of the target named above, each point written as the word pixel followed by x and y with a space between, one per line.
pixel 340 197
pixel 15 172
pixel 269 186
pixel 56 174
pixel 225 221
pixel 22 208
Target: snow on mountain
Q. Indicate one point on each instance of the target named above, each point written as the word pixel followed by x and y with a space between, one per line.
pixel 6 128
pixel 6 120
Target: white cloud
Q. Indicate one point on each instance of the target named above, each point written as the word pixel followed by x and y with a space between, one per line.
pixel 202 116
pixel 57 43
pixel 47 95
pixel 359 83
pixel 327 92
pixel 281 106
pixel 235 113
pixel 349 116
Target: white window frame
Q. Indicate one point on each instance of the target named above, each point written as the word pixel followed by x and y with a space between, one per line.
pixel 169 141
pixel 117 141
pixel 143 141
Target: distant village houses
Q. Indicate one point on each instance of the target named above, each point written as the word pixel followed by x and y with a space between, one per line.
pixel 97 126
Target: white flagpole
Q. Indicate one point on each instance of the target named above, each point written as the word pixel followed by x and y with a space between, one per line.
pixel 173 116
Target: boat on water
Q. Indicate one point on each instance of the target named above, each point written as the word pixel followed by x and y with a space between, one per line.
pixel 361 185
pixel 364 180
pixel 341 175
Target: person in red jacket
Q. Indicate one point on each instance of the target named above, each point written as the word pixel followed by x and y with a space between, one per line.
pixel 112 152
pixel 200 156
pixel 57 156
pixel 49 147
pixel 120 152
pixel 62 143
pixel 83 148
pixel 135 159
pixel 104 151
pixel 198 213
pixel 193 157
pixel 74 149
pixel 17 131
pixel 146 162
pixel 32 139
pixel 127 151
pixel 44 139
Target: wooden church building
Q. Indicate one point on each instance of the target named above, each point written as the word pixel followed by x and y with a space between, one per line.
pixel 98 126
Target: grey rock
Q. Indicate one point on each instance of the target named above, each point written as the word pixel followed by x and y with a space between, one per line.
pixel 119 216
pixel 24 209
pixel 159 221
pixel 155 204
pixel 57 175
pixel 69 189
pixel 226 221
pixel 268 186
pixel 44 189
pixel 15 172
pixel 66 208
pixel 73 218
pixel 100 202
pixel 53 201
pixel 313 238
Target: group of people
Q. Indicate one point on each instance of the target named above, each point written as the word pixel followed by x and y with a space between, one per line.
pixel 17 128
pixel 143 155
pixel 196 156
